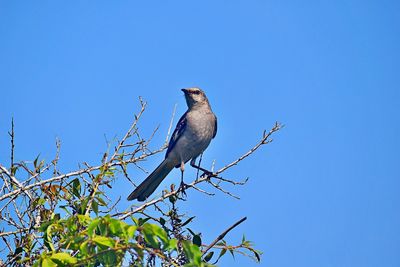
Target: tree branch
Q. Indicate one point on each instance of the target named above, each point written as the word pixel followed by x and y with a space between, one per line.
pixel 223 234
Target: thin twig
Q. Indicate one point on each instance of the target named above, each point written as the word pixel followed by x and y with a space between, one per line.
pixel 263 141
pixel 222 190
pixel 12 143
pixel 223 234
pixel 202 191
pixel 170 125
pixel 129 132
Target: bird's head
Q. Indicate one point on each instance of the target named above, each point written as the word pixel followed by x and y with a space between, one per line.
pixel 195 96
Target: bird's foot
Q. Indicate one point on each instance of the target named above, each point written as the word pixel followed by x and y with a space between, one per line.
pixel 207 173
pixel 182 189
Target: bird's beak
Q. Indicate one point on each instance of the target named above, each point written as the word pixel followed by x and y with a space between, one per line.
pixel 185 90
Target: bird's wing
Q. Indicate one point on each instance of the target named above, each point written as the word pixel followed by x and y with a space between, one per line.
pixel 215 127
pixel 180 128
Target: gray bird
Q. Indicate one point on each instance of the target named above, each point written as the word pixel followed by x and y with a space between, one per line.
pixel 192 135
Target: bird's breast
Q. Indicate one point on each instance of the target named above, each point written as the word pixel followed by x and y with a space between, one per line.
pixel 196 137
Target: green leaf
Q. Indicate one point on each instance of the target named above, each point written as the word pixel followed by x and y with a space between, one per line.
pixel 162 221
pixel 142 221
pixel 232 252
pixel 135 220
pixel 92 227
pixel 41 201
pixel 103 226
pixel 172 199
pixel 257 254
pixel 76 187
pixel 83 206
pixel 191 232
pixel 150 235
pixel 95 207
pixel 14 170
pixel 109 173
pixel 172 245
pixel 48 237
pixel 46 262
pixel 188 221
pixel 192 252
pixel 131 231
pixel 117 227
pixel 17 251
pixel 37 202
pixel 208 257
pixel 222 253
pixel 84 248
pixel 161 234
pixel 41 164
pixel 221 243
pixel 63 258
pixel 110 258
pixel 101 201
pixel 197 240
pixel 44 226
pixel 104 241
pixel 74 242
pixel 35 161
pixel 83 219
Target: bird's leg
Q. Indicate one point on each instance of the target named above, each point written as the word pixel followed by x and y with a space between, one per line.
pixel 198 171
pixel 193 164
pixel 183 185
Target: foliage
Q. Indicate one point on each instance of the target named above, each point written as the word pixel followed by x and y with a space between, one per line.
pixel 105 241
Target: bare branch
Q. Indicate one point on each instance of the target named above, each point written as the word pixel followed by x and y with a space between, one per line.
pixel 131 129
pixel 263 141
pixel 222 190
pixel 207 176
pixel 223 234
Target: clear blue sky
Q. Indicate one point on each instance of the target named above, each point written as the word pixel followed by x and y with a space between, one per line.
pixel 325 193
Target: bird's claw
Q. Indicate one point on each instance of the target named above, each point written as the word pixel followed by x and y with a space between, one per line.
pixel 208 173
pixel 182 189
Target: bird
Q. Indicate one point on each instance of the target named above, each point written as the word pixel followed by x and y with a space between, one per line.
pixel 192 135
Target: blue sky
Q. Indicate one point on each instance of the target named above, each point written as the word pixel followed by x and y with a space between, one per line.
pixel 324 193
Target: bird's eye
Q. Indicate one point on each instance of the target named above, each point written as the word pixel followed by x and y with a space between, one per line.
pixel 196 92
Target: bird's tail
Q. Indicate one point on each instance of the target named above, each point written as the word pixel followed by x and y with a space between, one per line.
pixel 148 186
